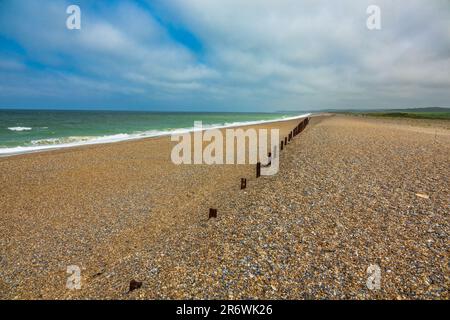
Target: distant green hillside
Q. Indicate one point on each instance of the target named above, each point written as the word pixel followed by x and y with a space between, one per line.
pixel 420 110
pixel 413 115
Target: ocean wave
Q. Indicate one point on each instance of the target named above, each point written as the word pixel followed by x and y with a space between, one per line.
pixel 19 128
pixel 72 141
pixel 56 141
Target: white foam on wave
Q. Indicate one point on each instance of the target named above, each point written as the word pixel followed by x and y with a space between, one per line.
pixel 65 142
pixel 19 128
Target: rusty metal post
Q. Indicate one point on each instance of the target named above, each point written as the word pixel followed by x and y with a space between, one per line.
pixel 134 285
pixel 212 213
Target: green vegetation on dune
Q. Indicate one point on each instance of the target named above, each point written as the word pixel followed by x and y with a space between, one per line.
pixel 413 115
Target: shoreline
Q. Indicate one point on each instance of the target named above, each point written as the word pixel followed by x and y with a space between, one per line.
pixel 139 136
pixel 94 206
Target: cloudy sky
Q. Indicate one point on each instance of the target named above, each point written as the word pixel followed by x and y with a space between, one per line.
pixel 229 55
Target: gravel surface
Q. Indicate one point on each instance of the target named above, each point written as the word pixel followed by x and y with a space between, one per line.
pixel 351 192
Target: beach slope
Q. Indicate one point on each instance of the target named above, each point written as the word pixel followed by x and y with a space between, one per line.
pixel 351 193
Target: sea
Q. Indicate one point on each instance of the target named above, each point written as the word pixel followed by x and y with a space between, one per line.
pixel 23 131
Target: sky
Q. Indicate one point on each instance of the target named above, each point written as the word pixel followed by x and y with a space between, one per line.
pixel 206 55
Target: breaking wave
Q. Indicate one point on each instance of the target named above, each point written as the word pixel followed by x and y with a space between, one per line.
pixel 72 141
pixel 19 128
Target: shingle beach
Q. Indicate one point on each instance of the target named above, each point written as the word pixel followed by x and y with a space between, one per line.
pixel 351 192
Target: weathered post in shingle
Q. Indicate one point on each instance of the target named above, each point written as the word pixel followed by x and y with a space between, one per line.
pixel 212 213
pixel 134 285
pixel 243 183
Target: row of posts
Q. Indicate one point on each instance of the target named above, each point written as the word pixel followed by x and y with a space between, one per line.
pixel 297 130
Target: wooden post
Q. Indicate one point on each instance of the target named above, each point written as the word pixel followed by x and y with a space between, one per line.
pixel 134 285
pixel 212 213
pixel 243 183
pixel 281 145
pixel 285 141
pixel 258 169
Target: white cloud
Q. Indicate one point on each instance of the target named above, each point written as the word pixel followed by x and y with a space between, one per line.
pixel 259 55
pixel 321 48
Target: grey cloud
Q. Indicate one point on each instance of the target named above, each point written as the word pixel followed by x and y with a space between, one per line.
pixel 317 49
pixel 257 55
